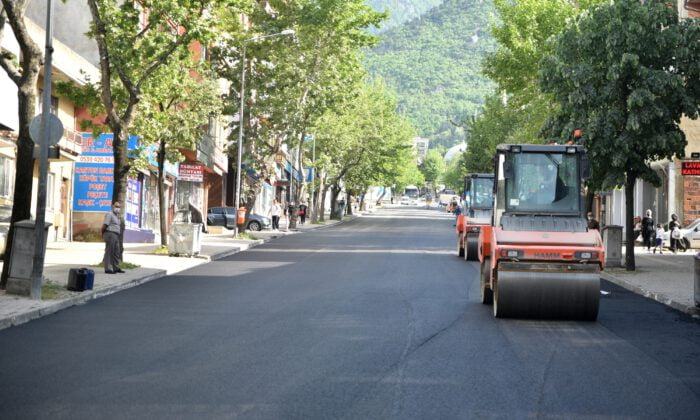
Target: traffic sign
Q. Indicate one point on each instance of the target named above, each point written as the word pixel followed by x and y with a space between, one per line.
pixel 55 129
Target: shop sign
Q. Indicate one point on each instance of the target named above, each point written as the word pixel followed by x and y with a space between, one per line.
pixel 192 172
pixel 690 168
pixel 94 173
pixel 133 195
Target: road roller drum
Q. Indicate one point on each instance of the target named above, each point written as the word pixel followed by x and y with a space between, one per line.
pixel 553 295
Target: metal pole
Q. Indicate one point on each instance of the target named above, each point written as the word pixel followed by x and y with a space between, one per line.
pixel 40 238
pixel 313 181
pixel 237 202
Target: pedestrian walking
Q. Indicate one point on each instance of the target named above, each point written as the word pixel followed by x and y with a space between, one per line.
pixel 592 223
pixel 659 238
pixel 302 213
pixel 111 227
pixel 674 226
pixel 648 230
pixel 275 213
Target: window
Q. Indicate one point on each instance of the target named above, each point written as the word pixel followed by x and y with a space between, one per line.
pixel 54 103
pixel 211 126
pixel 7 177
pixel 482 192
pixel 50 188
pixel 543 182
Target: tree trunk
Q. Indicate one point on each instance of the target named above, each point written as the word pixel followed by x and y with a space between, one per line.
pixel 121 175
pixel 335 214
pixel 249 202
pixel 362 201
pixel 379 200
pixel 629 222
pixel 322 199
pixel 22 196
pixel 319 198
pixel 162 211
pixel 348 205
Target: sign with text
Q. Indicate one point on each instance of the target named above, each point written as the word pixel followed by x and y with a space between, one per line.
pixel 690 168
pixel 133 195
pixel 94 173
pixel 192 172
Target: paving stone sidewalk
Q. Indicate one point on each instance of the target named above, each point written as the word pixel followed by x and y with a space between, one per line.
pixel 666 278
pixel 62 256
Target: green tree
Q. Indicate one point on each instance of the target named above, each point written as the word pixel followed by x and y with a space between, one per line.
pixel 295 85
pixel 519 109
pixel 363 143
pixel 455 172
pixel 173 110
pixel 626 72
pixel 433 167
pixel 24 73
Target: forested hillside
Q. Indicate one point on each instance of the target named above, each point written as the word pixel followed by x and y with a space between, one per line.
pixel 401 11
pixel 434 63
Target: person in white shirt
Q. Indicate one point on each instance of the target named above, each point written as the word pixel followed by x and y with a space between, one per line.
pixel 275 213
pixel 659 238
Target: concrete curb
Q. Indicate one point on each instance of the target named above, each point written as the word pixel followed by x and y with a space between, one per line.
pixel 659 297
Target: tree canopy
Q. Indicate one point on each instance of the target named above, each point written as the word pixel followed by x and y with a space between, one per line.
pixel 626 73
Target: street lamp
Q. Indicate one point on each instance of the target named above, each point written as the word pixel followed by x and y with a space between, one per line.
pixel 240 112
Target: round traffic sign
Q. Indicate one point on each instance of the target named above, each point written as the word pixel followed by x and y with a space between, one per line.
pixel 55 129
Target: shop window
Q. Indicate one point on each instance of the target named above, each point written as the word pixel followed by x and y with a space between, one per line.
pixel 7 177
pixel 211 126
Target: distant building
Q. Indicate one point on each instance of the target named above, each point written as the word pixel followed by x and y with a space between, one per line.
pixel 421 146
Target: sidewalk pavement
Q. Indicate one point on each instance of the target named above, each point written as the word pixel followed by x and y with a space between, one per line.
pixel 666 278
pixel 62 256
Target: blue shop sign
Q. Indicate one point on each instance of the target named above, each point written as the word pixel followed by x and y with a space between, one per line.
pixel 94 173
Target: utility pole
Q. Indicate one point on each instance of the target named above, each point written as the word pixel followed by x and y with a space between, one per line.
pixel 313 181
pixel 40 238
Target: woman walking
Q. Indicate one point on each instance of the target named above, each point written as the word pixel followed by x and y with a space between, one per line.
pixel 674 227
pixel 648 230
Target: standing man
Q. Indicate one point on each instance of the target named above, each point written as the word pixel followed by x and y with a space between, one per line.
pixel 110 233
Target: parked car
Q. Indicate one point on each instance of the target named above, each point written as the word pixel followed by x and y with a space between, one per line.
pixel 691 235
pixel 226 217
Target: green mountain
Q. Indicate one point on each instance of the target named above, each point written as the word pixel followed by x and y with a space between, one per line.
pixel 433 63
pixel 401 11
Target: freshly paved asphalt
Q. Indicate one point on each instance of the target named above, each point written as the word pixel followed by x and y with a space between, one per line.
pixel 375 318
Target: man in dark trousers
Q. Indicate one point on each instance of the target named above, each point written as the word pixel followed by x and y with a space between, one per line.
pixel 111 227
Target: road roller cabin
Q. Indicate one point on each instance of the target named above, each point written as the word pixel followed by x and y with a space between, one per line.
pixel 538 258
pixel 478 208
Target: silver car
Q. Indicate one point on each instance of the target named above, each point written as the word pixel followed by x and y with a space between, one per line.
pixel 226 216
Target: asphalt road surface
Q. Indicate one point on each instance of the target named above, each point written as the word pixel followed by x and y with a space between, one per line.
pixel 375 318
